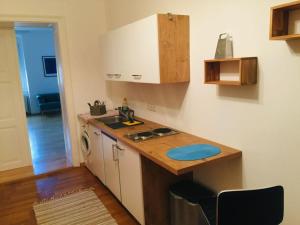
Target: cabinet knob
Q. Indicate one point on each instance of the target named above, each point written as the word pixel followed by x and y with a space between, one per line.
pixel 137 76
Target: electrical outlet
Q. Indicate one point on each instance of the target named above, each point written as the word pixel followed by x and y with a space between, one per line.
pixel 151 107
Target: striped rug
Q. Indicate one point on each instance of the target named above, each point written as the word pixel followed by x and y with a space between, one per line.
pixel 81 208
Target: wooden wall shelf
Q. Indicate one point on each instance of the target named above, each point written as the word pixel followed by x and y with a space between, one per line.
pixel 285 21
pixel 233 71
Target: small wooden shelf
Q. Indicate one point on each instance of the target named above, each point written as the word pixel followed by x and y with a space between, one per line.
pixel 285 21
pixel 233 71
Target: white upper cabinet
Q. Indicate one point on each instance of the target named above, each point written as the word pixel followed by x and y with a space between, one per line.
pixel 110 58
pixel 151 50
pixel 141 50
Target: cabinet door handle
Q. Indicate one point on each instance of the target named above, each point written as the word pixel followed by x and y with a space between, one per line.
pixel 137 76
pixel 96 133
pixel 117 76
pixel 109 75
pixel 115 158
pixel 119 148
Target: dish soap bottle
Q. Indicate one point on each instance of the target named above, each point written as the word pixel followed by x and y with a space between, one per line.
pixel 125 105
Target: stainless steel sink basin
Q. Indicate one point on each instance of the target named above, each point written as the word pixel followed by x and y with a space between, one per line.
pixel 112 119
pixel 114 122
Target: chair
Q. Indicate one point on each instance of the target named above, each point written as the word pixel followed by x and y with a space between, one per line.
pixel 194 204
pixel 248 207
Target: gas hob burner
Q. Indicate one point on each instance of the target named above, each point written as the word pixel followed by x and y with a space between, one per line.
pixel 158 132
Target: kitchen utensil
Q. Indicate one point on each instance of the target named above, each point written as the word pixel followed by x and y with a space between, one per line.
pixel 224 47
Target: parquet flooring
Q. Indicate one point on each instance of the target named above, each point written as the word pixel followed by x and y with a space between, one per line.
pixel 47 142
pixel 17 198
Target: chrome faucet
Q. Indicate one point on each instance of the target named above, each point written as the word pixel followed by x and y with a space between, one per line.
pixel 127 113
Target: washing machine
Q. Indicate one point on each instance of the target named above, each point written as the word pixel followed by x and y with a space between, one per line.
pixel 85 142
pixel 90 139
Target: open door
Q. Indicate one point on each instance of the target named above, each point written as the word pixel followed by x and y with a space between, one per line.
pixel 14 149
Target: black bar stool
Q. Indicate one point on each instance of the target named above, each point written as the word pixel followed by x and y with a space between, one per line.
pixel 191 203
pixel 251 207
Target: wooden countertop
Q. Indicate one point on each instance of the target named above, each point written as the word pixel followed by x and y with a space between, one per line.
pixel 155 149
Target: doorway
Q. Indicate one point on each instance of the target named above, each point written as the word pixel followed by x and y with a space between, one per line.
pixel 39 80
pixel 15 155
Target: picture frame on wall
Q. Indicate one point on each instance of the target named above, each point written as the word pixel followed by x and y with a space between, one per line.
pixel 49 65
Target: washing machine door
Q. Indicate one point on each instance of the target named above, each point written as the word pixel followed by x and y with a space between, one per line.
pixel 85 144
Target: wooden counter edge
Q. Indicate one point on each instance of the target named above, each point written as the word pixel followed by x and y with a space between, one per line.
pixel 177 172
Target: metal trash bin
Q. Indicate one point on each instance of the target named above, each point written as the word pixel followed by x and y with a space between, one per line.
pixel 185 203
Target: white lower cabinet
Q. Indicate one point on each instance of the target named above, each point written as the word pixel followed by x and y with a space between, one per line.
pixel 131 181
pixel 111 165
pixel 123 175
pixel 96 160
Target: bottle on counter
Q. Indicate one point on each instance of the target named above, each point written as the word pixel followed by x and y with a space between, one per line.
pixel 125 105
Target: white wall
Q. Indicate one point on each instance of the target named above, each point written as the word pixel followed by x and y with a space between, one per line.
pixel 82 22
pixel 85 21
pixel 263 120
pixel 22 66
pixel 37 43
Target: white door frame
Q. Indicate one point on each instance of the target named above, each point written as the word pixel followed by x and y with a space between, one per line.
pixel 64 77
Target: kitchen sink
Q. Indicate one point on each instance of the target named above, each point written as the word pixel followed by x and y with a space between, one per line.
pixel 116 122
pixel 112 119
pixel 113 122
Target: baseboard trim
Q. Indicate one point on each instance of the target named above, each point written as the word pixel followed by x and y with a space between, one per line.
pixel 26 173
pixel 12 175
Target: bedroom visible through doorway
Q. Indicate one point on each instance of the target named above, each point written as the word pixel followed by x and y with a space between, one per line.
pixel 38 74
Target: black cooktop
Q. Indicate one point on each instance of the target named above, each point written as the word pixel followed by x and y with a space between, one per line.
pixel 149 134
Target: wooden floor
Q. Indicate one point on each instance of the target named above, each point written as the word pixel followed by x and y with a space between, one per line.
pixel 47 142
pixel 17 198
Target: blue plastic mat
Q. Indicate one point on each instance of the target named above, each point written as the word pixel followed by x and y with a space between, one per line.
pixel 193 152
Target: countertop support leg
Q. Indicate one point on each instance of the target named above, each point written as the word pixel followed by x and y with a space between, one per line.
pixel 156 183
